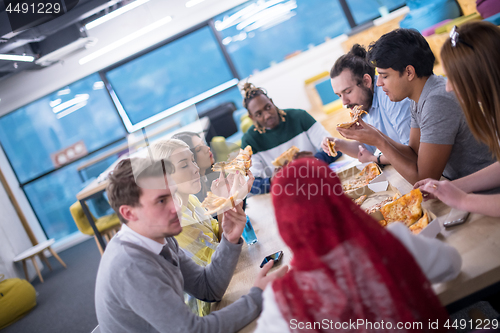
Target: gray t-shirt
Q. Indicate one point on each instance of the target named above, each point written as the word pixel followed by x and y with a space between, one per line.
pixel 441 121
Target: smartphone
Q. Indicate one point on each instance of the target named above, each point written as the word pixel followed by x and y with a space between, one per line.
pixel 275 256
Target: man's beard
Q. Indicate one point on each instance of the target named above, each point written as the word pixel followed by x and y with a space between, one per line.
pixel 367 99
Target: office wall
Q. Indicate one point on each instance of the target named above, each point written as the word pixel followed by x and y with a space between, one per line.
pixel 13 237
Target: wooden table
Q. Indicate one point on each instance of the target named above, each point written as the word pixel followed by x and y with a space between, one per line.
pixel 98 185
pixel 37 250
pixel 478 242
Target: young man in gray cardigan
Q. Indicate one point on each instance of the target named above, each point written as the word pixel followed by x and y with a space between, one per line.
pixel 143 272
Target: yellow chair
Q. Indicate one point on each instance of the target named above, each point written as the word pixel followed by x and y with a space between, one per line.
pixel 246 122
pixel 107 225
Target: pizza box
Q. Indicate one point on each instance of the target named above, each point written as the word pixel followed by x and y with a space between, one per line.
pixel 371 189
pixel 354 170
pixel 431 230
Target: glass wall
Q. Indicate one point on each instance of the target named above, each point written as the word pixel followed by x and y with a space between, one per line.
pixel 169 75
pixel 366 10
pixel 259 34
pixel 31 135
pixel 81 111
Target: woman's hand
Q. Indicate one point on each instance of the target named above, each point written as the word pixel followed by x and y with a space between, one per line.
pixel 233 223
pixel 444 191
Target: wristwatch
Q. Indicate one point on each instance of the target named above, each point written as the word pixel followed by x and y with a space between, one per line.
pixel 378 159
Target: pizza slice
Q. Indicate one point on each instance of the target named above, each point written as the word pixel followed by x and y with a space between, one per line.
pixel 417 227
pixel 406 209
pixel 355 113
pixel 381 204
pixel 285 157
pixel 242 162
pixel 363 178
pixel 331 148
pixel 214 203
pixel 359 201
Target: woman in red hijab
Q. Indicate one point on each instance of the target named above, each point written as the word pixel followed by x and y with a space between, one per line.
pixel 348 273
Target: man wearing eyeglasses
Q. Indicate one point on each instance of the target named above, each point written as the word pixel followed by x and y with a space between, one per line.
pixel 440 140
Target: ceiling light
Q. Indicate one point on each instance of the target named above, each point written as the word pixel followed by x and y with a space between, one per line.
pixel 125 40
pixel 14 57
pixel 192 3
pixel 80 98
pixel 114 14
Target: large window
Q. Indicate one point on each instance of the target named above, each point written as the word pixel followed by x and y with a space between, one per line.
pixel 79 114
pixel 174 73
pixel 53 194
pixel 366 10
pixel 261 33
pixel 81 111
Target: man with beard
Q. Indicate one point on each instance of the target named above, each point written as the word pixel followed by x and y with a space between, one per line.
pixel 354 81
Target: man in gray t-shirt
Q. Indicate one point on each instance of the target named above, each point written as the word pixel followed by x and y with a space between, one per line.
pixel 441 121
pixel 440 140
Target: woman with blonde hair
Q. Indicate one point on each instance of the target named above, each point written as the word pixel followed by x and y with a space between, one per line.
pixel 470 59
pixel 200 233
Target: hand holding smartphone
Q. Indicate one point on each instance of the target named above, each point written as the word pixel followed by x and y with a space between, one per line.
pixel 275 256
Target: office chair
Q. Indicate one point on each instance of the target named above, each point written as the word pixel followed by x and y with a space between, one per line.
pixel 107 225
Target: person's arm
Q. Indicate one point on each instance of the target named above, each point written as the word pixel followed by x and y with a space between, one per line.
pixel 447 192
pixel 345 146
pixel 431 159
pixel 439 261
pixel 364 155
pixel 271 320
pixel 428 163
pixel 482 180
pixel 154 298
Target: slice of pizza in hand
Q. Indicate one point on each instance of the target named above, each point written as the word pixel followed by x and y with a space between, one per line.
pixel 242 162
pixel 356 113
pixel 215 204
pixel 331 148
pixel 285 157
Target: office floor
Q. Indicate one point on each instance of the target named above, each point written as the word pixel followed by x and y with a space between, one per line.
pixel 65 301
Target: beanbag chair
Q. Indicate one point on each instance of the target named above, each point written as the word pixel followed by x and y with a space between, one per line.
pixel 17 298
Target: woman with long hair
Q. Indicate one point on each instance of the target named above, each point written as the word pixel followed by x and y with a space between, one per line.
pixel 470 59
pixel 199 237
pixel 203 157
pixel 346 267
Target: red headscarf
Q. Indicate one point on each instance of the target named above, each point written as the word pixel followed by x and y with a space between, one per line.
pixel 345 267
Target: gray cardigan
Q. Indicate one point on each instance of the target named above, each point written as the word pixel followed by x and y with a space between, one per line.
pixel 138 291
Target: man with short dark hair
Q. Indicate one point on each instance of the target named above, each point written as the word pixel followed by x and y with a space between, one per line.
pixel 440 140
pixel 354 81
pixel 143 273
